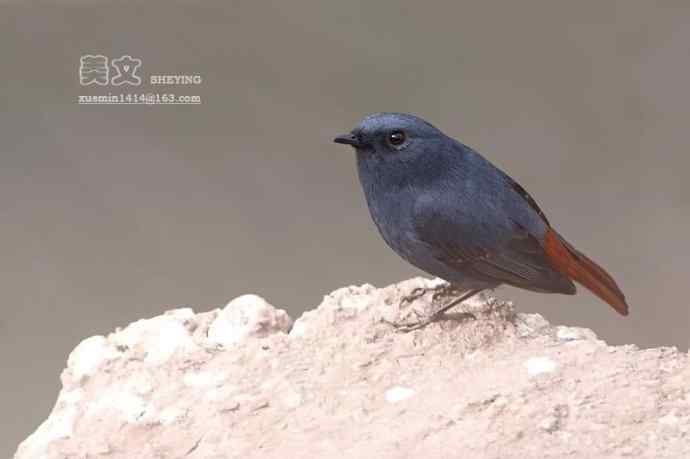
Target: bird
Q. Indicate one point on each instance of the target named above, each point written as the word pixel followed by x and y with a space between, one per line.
pixel 450 212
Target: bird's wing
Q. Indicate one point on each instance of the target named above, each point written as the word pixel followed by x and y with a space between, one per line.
pixel 521 262
pixel 513 257
pixel 517 188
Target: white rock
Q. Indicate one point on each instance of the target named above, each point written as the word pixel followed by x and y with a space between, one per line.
pixel 131 406
pixel 568 334
pixel 549 424
pixel 573 333
pixel 88 356
pixel 70 397
pixel 63 427
pixel 119 400
pixel 58 426
pixel 157 339
pixel 398 393
pixel 300 327
pixel 171 414
pixel 247 316
pixel 292 399
pixel 353 387
pixel 539 365
pixel 436 282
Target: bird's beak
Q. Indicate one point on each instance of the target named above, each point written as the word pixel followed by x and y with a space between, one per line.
pixel 348 139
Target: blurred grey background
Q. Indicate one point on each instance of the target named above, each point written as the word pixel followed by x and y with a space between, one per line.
pixel 114 213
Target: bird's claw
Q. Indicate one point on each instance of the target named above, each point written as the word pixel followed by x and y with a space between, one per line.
pixel 411 326
pixel 447 291
pixel 414 295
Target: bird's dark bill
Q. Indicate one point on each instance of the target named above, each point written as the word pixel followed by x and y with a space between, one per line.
pixel 347 139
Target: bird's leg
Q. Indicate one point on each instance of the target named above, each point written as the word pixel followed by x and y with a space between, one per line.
pixel 447 291
pixel 440 312
pixel 465 296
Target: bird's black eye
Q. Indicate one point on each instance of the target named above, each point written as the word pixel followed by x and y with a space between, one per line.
pixel 397 138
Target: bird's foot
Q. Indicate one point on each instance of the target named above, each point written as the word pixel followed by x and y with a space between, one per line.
pixel 435 317
pixel 414 295
pixel 448 291
pixel 439 293
pixel 445 292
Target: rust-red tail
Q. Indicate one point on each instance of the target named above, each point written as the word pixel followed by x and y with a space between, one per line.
pixel 576 266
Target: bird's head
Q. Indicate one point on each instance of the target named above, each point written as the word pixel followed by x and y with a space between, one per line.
pixel 391 134
pixel 399 148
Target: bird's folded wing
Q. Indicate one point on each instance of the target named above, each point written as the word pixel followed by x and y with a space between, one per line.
pixel 517 258
pixel 522 263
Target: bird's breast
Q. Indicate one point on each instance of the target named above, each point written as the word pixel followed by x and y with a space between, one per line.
pixel 391 202
pixel 393 215
pixel 391 212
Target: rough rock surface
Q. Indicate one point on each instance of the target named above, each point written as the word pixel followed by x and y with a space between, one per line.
pixel 245 382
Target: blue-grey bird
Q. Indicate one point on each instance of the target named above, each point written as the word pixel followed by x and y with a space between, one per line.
pixel 448 211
